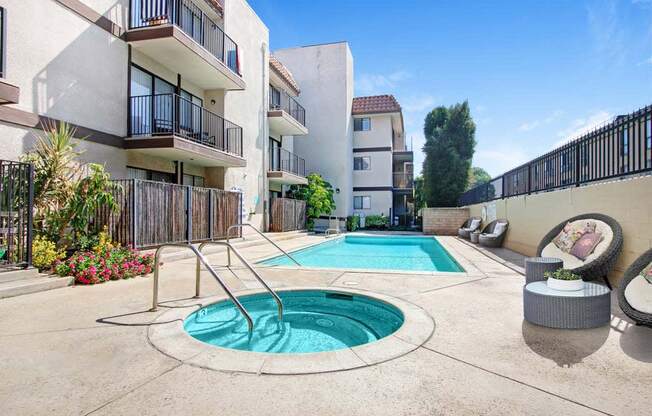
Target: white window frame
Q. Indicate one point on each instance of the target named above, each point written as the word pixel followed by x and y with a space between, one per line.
pixel 363 126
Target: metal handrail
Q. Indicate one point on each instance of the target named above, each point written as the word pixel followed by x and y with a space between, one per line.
pixel 236 302
pixel 248 265
pixel 228 233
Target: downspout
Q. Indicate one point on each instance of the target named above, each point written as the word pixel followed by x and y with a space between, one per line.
pixel 265 129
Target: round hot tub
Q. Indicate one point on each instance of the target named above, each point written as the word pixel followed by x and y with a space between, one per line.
pixel 313 321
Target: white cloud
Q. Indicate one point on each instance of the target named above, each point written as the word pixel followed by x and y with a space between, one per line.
pixel 418 103
pixel 370 84
pixel 608 31
pixel 580 126
pixel 528 126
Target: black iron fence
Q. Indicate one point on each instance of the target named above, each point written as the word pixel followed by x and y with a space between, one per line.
pixel 283 160
pixel 165 114
pixel 190 18
pixel 622 147
pixel 16 204
pixel 281 100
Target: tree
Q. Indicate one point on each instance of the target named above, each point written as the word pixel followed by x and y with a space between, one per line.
pixel 419 197
pixel 477 176
pixel 450 143
pixel 318 195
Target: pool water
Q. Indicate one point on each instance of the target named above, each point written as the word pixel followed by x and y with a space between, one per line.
pixel 313 321
pixel 365 252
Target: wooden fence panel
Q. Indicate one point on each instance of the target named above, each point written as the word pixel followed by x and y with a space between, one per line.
pixel 287 215
pixel 153 213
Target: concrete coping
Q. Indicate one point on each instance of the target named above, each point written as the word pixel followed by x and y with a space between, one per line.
pixel 167 335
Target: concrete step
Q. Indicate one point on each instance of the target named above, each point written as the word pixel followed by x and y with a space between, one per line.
pixel 18 274
pixel 33 285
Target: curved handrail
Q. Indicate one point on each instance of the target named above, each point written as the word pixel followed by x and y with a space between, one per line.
pixel 200 257
pixel 248 265
pixel 228 233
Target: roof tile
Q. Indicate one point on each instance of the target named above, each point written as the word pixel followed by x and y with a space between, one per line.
pixel 284 73
pixel 375 104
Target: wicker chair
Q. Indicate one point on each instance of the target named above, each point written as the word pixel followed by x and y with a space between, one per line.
pixel 465 231
pixel 488 239
pixel 600 267
pixel 632 272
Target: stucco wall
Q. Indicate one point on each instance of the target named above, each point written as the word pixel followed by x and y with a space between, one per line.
pixel 65 66
pixel 380 173
pixel 248 108
pixel 381 202
pixel 380 134
pixel 325 75
pixel 532 216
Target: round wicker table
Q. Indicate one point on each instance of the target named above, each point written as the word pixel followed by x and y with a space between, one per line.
pixel 535 267
pixel 586 308
pixel 474 236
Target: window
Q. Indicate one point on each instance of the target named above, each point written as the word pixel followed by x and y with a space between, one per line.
pixel 361 202
pixel 274 98
pixel 362 124
pixel 193 180
pixel 151 175
pixel 362 163
pixel 3 41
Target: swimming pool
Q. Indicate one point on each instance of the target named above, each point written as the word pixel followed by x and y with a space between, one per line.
pixel 374 252
pixel 313 321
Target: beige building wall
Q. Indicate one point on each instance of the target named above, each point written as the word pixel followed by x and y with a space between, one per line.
pixel 381 203
pixel 380 134
pixel 248 108
pixel 325 74
pixel 380 173
pixel 530 217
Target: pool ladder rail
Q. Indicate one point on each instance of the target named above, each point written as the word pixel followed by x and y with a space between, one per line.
pixel 242 225
pixel 201 259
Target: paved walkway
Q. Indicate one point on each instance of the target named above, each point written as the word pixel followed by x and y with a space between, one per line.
pixel 84 350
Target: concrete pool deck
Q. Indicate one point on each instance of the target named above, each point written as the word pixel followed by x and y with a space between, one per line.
pixel 85 350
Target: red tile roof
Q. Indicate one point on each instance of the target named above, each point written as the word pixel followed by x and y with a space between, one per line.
pixel 284 73
pixel 375 104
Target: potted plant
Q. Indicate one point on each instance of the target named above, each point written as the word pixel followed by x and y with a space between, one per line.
pixel 563 279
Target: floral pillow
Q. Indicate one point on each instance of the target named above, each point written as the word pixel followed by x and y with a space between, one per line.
pixel 572 232
pixel 647 273
pixel 586 245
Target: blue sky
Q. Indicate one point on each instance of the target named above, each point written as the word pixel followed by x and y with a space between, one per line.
pixel 534 72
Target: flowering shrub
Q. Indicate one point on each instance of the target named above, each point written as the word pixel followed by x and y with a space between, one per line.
pixel 109 263
pixel 45 253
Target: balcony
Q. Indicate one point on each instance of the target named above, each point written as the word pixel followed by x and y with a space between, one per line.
pixel 286 168
pixel 403 180
pixel 181 36
pixel 286 116
pixel 174 128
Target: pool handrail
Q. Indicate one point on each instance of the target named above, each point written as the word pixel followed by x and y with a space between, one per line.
pixel 248 265
pixel 242 225
pixel 200 257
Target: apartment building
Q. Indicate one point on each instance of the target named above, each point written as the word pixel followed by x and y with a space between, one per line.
pixel 356 143
pixel 172 91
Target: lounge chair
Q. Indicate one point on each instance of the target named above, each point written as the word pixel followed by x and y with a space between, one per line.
pixel 493 235
pixel 635 294
pixel 599 263
pixel 469 226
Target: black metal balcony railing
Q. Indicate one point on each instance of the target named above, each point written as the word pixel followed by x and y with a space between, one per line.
pixel 403 180
pixel 282 160
pixel 186 15
pixel 620 148
pixel 281 100
pixel 166 114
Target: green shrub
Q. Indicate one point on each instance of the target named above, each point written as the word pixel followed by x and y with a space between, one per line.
pixel 562 274
pixel 45 253
pixel 352 222
pixel 376 222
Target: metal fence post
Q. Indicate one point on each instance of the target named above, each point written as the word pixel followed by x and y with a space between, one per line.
pixel 30 213
pixel 577 164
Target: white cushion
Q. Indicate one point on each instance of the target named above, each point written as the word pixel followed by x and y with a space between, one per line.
pixel 499 228
pixel 571 262
pixel 639 294
pixel 475 223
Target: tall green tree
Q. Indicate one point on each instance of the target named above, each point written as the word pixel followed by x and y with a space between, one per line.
pixel 477 176
pixel 419 198
pixel 449 148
